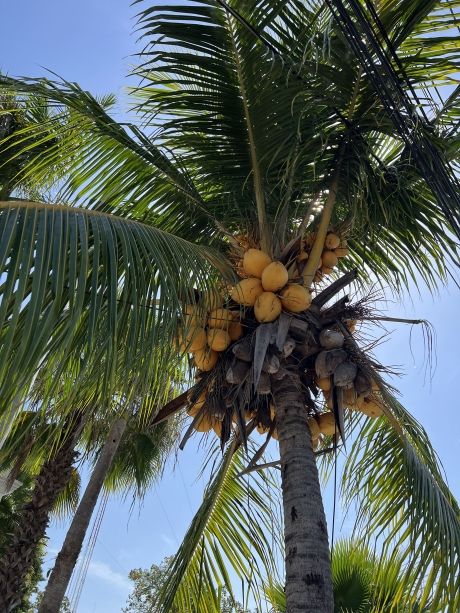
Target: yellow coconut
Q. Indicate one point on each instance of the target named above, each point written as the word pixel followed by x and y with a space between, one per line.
pixel 218 339
pixel 324 383
pixel 329 259
pixel 332 241
pixel 255 261
pixel 205 359
pixel 220 318
pixel 247 291
pixel 314 428
pixel 274 277
pixel 326 423
pixel 194 316
pixel 341 252
pixel 295 298
pixel 326 271
pixel 267 307
pixel 193 339
pixel 235 330
pixel 369 406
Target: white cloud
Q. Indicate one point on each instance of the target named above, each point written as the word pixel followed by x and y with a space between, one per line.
pixel 101 570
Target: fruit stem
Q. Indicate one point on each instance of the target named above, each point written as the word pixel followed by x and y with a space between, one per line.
pixel 315 253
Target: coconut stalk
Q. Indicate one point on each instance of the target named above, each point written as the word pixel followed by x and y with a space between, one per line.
pixel 317 249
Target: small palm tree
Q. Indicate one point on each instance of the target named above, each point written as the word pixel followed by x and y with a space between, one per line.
pixel 271 126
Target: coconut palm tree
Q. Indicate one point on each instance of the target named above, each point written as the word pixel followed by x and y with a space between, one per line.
pixel 285 127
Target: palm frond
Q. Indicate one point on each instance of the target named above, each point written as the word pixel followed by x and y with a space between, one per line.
pixel 86 296
pixel 404 502
pixel 233 529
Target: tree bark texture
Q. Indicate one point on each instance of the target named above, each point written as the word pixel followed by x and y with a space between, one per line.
pixel 308 565
pixel 18 558
pixel 68 556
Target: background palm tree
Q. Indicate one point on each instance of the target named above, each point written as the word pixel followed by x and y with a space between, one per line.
pixel 248 139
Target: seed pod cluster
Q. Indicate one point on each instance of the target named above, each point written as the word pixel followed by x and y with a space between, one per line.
pixel 335 247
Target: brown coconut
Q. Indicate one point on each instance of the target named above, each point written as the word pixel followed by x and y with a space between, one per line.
pixel 332 241
pixel 193 339
pixel 274 277
pixel 218 339
pixel 331 339
pixel 326 423
pixel 235 330
pixel 327 361
pixel 247 291
pixel 220 318
pixel 295 298
pixel 267 307
pixel 255 261
pixel 342 252
pixel 344 374
pixel 329 259
pixel 205 359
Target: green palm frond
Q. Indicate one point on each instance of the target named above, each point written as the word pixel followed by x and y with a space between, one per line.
pixel 90 296
pixel 404 502
pixel 67 501
pixel 233 529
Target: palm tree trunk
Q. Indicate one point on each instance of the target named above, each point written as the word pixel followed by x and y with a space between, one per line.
pixel 18 558
pixel 67 557
pixel 308 565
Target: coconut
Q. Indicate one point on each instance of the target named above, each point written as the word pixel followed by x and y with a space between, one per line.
pixel 247 291
pixel 332 241
pixel 326 423
pixel 314 428
pixel 342 252
pixel 220 318
pixel 193 316
pixel 331 339
pixel 327 361
pixel 274 277
pixel 344 374
pixel 362 384
pixel 267 307
pixel 369 406
pixel 295 298
pixel 235 330
pixel 193 339
pixel 218 339
pixel 329 259
pixel 255 261
pixel 205 359
pixel 324 383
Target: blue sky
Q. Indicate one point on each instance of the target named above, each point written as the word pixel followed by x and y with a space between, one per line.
pixel 91 42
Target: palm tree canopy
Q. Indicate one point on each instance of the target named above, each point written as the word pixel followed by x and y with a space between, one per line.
pixel 235 138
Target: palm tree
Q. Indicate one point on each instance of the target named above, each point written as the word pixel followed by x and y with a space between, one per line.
pixel 261 123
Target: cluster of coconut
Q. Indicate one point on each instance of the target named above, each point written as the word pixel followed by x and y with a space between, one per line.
pixel 207 333
pixel 335 368
pixel 266 287
pixel 335 247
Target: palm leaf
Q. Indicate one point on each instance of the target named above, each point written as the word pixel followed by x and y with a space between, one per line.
pixel 90 296
pixel 233 529
pixel 405 503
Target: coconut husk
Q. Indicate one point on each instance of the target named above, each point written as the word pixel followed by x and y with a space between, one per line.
pixel 331 339
pixel 344 374
pixel 237 372
pixel 327 361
